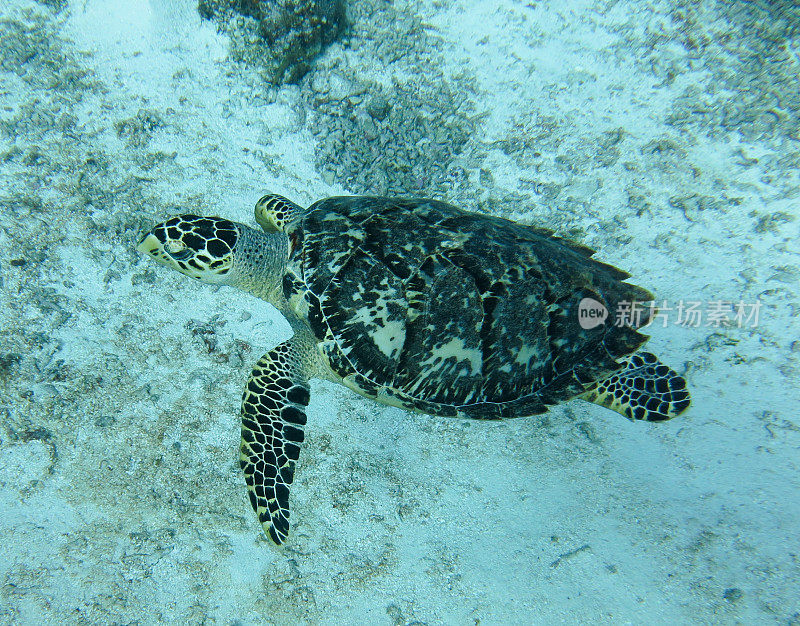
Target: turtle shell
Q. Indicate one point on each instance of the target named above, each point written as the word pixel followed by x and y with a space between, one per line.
pixel 420 304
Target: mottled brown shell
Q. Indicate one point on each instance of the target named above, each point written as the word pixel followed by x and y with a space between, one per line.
pixel 420 304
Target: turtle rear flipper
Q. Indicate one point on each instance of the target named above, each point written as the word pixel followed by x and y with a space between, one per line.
pixel 643 389
pixel 273 417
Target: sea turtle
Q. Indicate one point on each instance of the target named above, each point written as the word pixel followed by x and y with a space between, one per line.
pixel 417 304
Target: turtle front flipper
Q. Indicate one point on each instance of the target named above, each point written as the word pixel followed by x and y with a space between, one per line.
pixel 643 389
pixel 273 417
pixel 275 213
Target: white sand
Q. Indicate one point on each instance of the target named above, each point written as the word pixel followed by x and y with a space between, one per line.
pixel 577 516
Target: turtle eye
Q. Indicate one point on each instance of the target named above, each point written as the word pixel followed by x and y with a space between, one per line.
pixel 178 250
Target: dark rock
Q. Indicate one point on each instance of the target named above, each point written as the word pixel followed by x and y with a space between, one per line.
pixel 733 594
pixel 379 107
pixel 284 35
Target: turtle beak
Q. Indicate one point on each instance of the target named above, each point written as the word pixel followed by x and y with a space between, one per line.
pixel 152 246
pixel 149 245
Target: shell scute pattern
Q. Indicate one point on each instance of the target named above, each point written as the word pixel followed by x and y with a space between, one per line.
pixel 451 312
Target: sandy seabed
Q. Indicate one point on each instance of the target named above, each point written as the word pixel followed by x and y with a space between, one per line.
pixel 665 135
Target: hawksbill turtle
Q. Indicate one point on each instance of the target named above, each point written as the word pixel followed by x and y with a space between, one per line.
pixel 417 304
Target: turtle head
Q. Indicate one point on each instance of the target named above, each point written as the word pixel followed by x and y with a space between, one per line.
pixel 200 247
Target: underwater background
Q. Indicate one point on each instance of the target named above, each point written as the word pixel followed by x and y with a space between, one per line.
pixel 665 135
